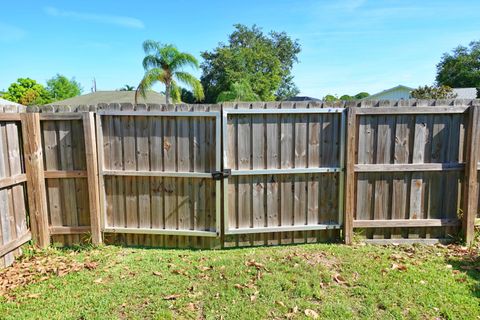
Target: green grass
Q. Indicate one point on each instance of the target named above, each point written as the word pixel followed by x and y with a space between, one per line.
pixel 258 283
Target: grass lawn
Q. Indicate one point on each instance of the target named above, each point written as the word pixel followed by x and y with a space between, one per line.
pixel 305 281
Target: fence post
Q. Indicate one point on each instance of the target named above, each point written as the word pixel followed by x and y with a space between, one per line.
pixel 37 196
pixel 92 175
pixel 350 174
pixel 471 190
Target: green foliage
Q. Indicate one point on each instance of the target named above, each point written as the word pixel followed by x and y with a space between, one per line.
pixel 346 97
pixel 28 92
pixel 127 88
pixel 60 88
pixel 431 92
pixel 330 97
pixel 164 63
pixel 361 95
pixel 187 96
pixel 461 68
pixel 239 91
pixel 263 60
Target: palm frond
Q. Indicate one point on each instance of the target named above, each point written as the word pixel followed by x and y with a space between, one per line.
pixel 149 79
pixel 175 92
pixel 184 59
pixel 151 61
pixel 192 82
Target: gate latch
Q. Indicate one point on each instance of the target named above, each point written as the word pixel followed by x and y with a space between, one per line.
pixel 219 175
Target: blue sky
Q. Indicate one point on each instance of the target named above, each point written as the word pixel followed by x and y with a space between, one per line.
pixel 347 46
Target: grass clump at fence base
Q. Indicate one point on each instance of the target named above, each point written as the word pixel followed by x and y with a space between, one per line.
pixel 316 281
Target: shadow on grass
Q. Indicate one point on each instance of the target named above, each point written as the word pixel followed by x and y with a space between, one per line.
pixel 468 264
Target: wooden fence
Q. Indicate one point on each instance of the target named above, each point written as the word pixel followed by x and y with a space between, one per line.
pixel 213 176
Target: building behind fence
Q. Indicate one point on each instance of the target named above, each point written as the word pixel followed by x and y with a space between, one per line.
pixel 240 174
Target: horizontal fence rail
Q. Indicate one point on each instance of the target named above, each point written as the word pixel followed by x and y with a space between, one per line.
pixel 236 174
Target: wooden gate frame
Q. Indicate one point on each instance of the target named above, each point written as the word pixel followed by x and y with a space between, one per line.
pixel 319 170
pixel 173 174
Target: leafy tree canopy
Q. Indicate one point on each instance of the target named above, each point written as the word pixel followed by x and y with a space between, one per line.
pixel 461 68
pixel 239 91
pixel 28 92
pixel 60 88
pixel 431 92
pixel 346 97
pixel 263 60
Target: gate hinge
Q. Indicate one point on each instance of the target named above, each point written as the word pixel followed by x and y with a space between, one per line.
pixel 219 175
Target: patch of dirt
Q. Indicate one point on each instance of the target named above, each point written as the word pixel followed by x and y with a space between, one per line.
pixel 38 268
pixel 315 258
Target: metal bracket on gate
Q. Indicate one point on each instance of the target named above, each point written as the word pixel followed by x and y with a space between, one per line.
pixel 219 175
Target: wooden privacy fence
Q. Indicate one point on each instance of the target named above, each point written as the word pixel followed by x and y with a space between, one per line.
pixel 236 174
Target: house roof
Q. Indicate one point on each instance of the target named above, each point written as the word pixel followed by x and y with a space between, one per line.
pixel 465 93
pixel 110 97
pixel 4 102
pixel 373 96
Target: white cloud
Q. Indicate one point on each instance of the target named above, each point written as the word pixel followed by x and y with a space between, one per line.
pixel 122 21
pixel 10 33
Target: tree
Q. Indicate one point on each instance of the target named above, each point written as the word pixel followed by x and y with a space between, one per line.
pixel 60 88
pixel 263 60
pixel 426 92
pixel 187 96
pixel 330 97
pixel 164 63
pixel 28 92
pixel 461 69
pixel 239 91
pixel 361 95
pixel 346 97
pixel 127 88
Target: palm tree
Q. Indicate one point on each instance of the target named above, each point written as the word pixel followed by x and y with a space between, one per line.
pixel 164 63
pixel 127 88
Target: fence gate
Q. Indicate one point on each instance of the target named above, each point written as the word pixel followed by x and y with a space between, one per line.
pixel 286 169
pixel 156 171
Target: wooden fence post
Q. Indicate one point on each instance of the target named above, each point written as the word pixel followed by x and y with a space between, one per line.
pixel 37 196
pixel 92 175
pixel 350 174
pixel 471 167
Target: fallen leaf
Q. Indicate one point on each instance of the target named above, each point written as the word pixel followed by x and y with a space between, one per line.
pixel 339 279
pixel 90 265
pixel 311 314
pixel 172 297
pixel 399 267
pixel 157 273
pixel 99 280
pixel 34 295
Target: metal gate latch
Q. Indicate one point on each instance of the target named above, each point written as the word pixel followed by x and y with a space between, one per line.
pixel 219 175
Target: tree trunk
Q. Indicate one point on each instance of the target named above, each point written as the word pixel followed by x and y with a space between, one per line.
pixel 167 92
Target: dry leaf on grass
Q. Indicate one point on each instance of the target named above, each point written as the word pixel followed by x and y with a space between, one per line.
pixel 311 314
pixel 339 278
pixel 399 267
pixel 172 297
pixel 157 273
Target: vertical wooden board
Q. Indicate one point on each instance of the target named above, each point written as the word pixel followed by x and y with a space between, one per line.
pixel 69 208
pixel 420 140
pixel 184 195
pixel 130 163
pixel 51 162
pixel 258 162
pixel 118 164
pixel 199 155
pixel 244 149
pixel 403 130
pixel 452 178
pixel 108 158
pixel 142 129
pixel 300 161
pixel 5 213
pixel 313 141
pixel 18 191
pixel 335 161
pixel 81 185
pixel 383 155
pixel 170 184
pixel 287 152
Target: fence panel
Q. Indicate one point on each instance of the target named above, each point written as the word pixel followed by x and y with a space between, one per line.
pixel 286 171
pixel 156 164
pixel 13 221
pixel 407 160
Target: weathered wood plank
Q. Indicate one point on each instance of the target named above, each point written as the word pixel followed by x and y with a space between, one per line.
pixel 35 178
